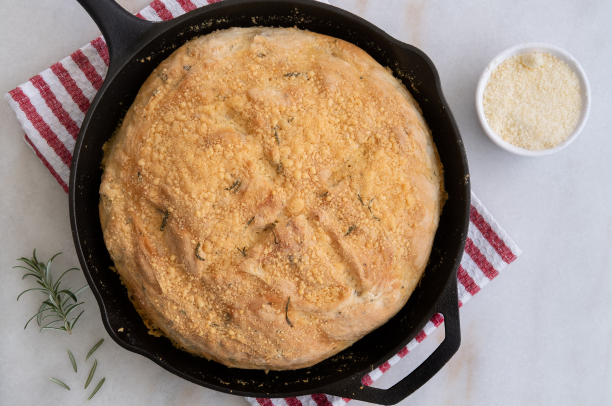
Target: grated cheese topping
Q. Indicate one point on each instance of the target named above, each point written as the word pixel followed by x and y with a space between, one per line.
pixel 533 101
pixel 271 197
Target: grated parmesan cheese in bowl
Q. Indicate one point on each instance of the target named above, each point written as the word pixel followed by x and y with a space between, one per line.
pixel 533 99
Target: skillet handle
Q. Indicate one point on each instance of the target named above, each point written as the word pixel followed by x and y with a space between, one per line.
pixel 119 28
pixel 448 306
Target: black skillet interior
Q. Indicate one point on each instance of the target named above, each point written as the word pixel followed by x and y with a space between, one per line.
pixel 341 374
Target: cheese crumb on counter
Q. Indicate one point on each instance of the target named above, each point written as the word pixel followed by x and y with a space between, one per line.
pixel 533 101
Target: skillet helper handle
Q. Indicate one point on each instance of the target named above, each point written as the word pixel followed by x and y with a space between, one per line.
pixel 448 306
pixel 119 28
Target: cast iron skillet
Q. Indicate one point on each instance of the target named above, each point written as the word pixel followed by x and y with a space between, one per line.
pixel 136 48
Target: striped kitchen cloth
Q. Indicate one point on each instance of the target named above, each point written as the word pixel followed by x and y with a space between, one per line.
pixel 52 105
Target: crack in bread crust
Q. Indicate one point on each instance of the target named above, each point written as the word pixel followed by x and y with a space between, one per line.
pixel 294 166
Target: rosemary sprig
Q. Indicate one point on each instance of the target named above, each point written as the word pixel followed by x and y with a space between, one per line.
pixel 57 306
pixel 91 373
pixel 97 389
pixel 72 360
pixel 60 383
pixel 94 348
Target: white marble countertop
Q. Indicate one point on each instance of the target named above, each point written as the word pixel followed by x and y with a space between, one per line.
pixel 540 334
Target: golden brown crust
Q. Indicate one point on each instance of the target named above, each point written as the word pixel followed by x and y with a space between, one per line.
pixel 280 164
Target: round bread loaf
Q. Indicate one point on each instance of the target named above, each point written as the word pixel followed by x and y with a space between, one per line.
pixel 271 197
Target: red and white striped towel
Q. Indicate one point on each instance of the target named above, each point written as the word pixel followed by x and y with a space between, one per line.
pixel 52 105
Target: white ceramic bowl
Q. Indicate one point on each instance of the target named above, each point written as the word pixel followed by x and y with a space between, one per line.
pixel 525 49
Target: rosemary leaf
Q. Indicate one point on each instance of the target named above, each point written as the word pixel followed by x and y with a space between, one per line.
pixel 351 228
pixel 235 184
pixel 73 321
pixel 197 252
pixel 69 293
pixel 37 314
pixel 164 220
pixel 72 307
pixel 28 274
pixel 30 290
pixel 49 324
pixel 97 389
pixel 72 360
pixel 372 213
pixel 54 328
pixel 92 371
pixel 39 319
pixel 53 322
pixel 94 348
pixel 275 239
pixel 287 312
pixel 60 383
